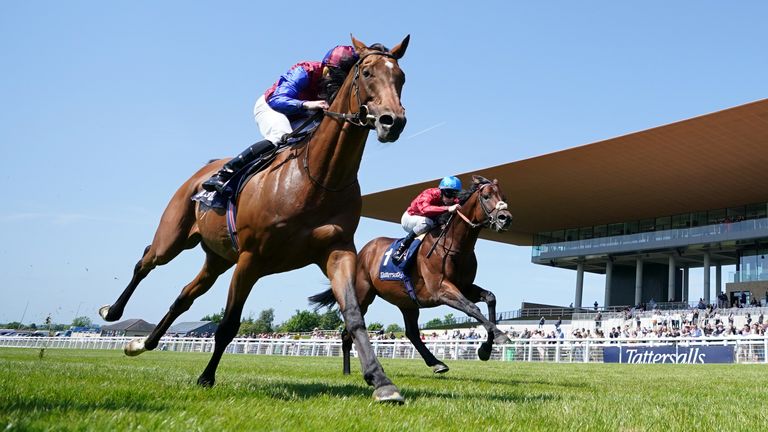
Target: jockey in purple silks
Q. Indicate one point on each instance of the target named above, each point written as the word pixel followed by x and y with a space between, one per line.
pixel 296 95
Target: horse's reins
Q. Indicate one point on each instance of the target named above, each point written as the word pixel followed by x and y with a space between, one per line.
pixel 361 119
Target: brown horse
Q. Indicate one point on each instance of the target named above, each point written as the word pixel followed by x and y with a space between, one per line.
pixel 304 209
pixel 444 278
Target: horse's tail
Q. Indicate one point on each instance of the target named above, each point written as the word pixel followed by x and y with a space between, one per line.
pixel 325 298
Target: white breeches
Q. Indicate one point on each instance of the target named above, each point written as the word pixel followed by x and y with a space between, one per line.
pixel 418 224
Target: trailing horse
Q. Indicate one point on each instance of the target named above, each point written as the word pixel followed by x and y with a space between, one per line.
pixel 303 209
pixel 444 277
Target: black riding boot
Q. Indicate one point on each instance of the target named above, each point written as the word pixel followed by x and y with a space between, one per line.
pixel 216 183
pixel 403 249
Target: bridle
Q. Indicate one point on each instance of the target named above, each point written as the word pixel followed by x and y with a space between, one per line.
pixel 491 214
pixel 361 118
pixel 491 218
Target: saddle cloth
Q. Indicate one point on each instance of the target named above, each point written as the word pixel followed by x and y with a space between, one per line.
pixel 389 270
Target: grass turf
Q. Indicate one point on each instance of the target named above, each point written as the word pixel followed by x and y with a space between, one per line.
pixel 104 390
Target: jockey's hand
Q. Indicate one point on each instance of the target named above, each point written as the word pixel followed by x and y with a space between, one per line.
pixel 454 207
pixel 316 105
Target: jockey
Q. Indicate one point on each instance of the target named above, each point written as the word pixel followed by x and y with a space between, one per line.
pixel 308 86
pixel 427 206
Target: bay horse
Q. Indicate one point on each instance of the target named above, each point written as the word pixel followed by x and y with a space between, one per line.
pixel 303 209
pixel 446 277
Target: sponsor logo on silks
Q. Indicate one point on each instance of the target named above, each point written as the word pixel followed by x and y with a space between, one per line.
pixel 390 275
pixel 669 354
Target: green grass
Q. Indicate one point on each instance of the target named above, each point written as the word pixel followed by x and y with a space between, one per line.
pixel 104 390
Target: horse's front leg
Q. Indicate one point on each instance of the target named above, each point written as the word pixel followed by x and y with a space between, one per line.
pixel 451 296
pixel 476 294
pixel 340 267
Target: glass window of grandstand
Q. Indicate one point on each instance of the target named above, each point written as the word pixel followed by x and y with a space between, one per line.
pixel 543 238
pixel 616 229
pixel 681 221
pixel 753 265
pixel 633 227
pixel 735 214
pixel 571 234
pixel 756 211
pixel 601 231
pixel 663 223
pixel 558 236
pixel 647 225
pixel 699 219
pixel 585 233
pixel 715 217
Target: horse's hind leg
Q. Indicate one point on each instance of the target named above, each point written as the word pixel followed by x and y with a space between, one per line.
pixel 214 266
pixel 173 235
pixel 245 276
pixel 346 351
pixel 411 317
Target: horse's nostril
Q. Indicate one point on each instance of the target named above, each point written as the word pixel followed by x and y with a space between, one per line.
pixel 386 120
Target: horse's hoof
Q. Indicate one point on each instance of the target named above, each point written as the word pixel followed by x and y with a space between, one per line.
pixel 484 351
pixel 104 311
pixel 501 339
pixel 134 347
pixel 204 381
pixel 388 394
pixel 440 368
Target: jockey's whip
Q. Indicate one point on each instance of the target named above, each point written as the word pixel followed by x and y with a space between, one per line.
pixel 445 227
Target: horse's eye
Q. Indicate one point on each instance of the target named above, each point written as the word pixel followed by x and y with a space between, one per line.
pixel 366 73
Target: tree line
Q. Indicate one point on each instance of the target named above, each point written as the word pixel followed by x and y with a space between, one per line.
pixel 301 321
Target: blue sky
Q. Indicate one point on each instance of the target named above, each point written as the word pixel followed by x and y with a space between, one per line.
pixel 107 107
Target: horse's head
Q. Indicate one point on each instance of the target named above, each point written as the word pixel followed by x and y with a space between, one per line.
pixel 378 81
pixel 490 209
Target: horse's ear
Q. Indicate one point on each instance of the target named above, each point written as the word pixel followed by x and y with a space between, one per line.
pixel 476 179
pixel 495 182
pixel 360 47
pixel 399 51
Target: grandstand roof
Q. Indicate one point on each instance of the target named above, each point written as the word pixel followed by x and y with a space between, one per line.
pixel 187 327
pixel 709 162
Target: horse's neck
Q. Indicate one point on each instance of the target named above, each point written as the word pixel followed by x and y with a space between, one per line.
pixel 336 149
pixel 461 236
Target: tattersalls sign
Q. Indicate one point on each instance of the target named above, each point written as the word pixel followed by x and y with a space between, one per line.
pixel 669 354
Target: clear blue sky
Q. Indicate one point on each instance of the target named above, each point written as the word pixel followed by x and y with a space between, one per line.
pixel 107 107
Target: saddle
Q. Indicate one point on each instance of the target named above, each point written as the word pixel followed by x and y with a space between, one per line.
pixel 236 183
pixel 391 270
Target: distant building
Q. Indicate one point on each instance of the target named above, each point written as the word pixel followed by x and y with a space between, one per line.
pixel 192 329
pixel 131 327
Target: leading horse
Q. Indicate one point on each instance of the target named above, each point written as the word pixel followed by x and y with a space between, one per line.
pixel 304 209
pixel 445 277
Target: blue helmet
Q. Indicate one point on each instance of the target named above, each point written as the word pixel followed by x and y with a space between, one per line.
pixel 450 182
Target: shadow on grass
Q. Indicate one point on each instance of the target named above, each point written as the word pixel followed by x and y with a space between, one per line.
pixel 286 390
pixel 487 380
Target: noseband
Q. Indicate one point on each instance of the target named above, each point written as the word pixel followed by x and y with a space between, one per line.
pixel 361 118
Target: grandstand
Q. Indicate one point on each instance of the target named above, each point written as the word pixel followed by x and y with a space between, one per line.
pixel 642 209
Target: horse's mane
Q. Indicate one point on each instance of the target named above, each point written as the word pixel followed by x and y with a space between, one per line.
pixel 332 82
